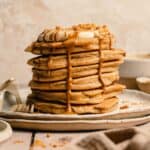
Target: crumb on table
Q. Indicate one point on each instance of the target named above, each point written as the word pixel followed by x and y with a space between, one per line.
pixel 48 135
pixel 38 143
pixel 61 142
pixel 18 141
pixel 124 106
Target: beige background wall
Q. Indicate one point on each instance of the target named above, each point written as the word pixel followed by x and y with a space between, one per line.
pixel 22 20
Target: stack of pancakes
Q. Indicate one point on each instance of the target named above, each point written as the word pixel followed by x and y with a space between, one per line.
pixel 76 70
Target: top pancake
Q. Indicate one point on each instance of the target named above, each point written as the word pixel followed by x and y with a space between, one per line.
pixel 85 36
pixel 80 31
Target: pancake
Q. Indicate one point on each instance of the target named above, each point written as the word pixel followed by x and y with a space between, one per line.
pixel 76 75
pixel 80 97
pixel 81 59
pixel 77 72
pixel 75 49
pixel 59 108
pixel 57 65
pixel 44 49
pixel 68 37
pixel 60 34
pixel 85 83
pixel 56 51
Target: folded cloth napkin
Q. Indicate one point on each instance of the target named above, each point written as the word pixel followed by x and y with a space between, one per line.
pixel 137 138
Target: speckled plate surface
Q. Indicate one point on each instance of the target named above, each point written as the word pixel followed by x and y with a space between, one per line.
pixel 133 103
pixel 75 125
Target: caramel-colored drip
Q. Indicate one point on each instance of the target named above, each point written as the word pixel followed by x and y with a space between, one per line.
pixel 69 77
pixel 69 81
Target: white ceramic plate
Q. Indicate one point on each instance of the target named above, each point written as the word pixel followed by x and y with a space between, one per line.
pixel 138 102
pixel 75 125
pixel 5 131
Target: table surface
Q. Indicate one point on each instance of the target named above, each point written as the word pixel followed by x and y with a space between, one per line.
pixel 32 140
pixel 28 140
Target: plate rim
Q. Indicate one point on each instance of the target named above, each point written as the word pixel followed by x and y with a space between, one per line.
pixel 80 121
pixel 76 125
pixel 76 116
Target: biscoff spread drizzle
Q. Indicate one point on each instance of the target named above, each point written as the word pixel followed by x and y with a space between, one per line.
pixel 69 81
pixel 100 55
pixel 69 71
